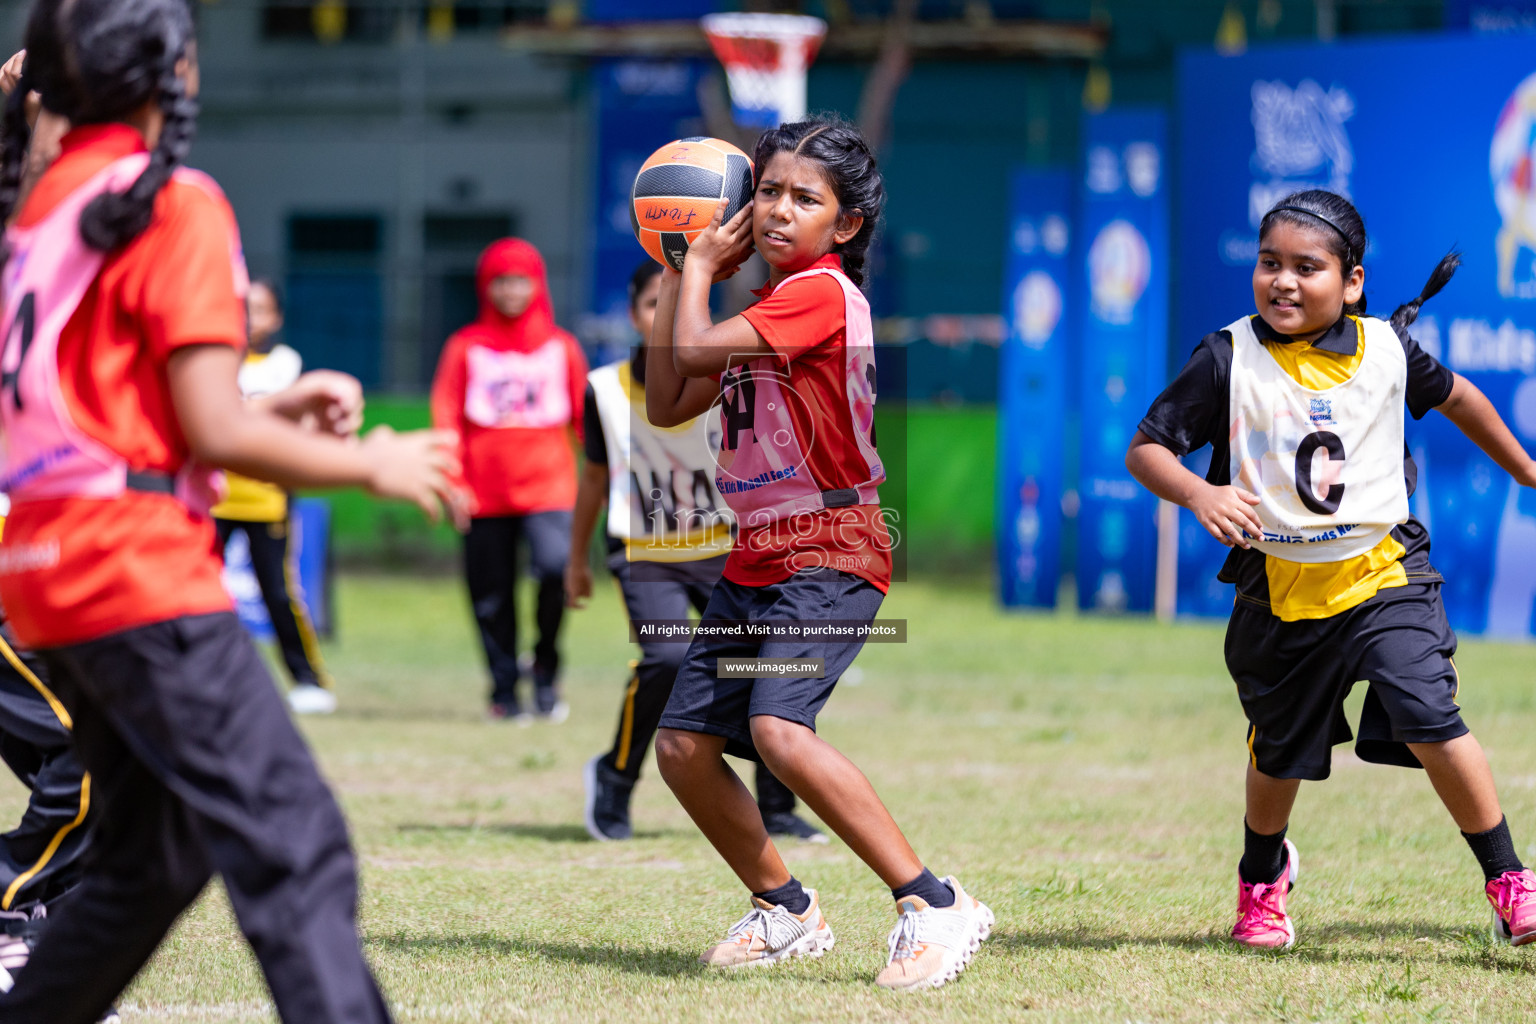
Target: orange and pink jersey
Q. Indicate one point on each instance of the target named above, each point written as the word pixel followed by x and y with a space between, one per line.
pixel 798 463
pixel 86 400
pixel 511 388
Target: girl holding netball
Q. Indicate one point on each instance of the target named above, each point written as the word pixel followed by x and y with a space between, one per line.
pixel 794 376
pixel 123 329
pixel 1302 404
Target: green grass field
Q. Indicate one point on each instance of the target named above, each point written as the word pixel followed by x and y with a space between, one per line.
pixel 1081 775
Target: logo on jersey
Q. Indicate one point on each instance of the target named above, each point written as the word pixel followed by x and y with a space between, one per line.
pixel 739 426
pixel 1512 165
pixel 1119 266
pixel 1321 411
pixel 1299 142
pixel 516 389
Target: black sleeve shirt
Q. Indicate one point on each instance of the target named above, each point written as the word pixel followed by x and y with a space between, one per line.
pixel 593 444
pixel 1194 410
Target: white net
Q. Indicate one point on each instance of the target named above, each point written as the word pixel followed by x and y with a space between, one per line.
pixel 765 58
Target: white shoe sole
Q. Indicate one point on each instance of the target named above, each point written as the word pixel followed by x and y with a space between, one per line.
pixel 812 944
pixel 311 700
pixel 981 929
pixel 589 808
pixel 1501 933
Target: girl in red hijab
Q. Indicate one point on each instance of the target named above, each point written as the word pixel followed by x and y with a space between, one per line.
pixel 510 386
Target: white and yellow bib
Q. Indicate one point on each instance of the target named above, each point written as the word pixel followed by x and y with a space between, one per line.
pixel 662 499
pixel 1327 464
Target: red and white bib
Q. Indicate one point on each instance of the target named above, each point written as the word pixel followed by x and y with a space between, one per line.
pixel 762 471
pixel 43 454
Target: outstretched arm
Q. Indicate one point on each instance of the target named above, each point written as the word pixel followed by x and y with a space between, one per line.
pixel 1225 512
pixel 222 431
pixel 1475 416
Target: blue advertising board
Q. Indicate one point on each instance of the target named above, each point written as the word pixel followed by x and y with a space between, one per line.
pixel 640 106
pixel 1033 388
pixel 1491 15
pixel 1430 168
pixel 1123 354
pixel 309 542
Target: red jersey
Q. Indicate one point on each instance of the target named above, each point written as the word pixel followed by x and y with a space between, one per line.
pixel 511 388
pixel 803 321
pixel 139 558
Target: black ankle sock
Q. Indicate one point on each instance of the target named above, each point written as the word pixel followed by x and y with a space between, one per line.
pixel 1494 850
pixel 932 891
pixel 1263 857
pixel 791 896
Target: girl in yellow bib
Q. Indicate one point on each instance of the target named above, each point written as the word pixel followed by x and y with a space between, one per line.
pixel 260 511
pixel 1309 483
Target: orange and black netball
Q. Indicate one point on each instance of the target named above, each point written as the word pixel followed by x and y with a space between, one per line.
pixel 677 190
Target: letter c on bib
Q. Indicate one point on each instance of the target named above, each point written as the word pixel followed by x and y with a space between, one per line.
pixel 1304 453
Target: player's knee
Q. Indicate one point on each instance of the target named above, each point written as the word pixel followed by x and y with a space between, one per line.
pixel 676 753
pixel 777 740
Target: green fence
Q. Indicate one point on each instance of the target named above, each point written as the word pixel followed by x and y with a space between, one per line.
pixel 949 470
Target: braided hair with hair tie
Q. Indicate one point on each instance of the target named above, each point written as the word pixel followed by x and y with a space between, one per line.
pixel 850 166
pixel 1337 221
pixel 15 137
pixel 97 61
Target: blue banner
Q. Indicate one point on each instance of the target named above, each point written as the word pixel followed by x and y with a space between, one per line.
pixel 640 106
pixel 1033 388
pixel 309 543
pixel 1124 350
pixel 1497 16
pixel 1429 168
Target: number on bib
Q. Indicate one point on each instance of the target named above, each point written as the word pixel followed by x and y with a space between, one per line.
pixel 740 410
pixel 26 322
pixel 1304 453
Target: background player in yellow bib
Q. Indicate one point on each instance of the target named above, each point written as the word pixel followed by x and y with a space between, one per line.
pixel 1309 484
pixel 260 511
pixel 666 548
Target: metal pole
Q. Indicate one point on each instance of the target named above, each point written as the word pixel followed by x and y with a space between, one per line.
pixel 1166 594
pixel 403 334
pixel 1327 20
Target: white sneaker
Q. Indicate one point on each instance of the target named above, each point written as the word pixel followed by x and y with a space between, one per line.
pixel 770 933
pixel 557 714
pixel 932 945
pixel 309 699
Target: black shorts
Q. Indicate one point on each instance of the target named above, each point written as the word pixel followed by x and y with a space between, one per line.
pixel 1292 678
pixel 700 702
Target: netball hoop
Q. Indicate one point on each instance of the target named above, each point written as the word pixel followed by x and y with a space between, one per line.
pixel 766 57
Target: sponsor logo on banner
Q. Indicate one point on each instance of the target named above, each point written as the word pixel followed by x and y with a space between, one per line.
pixel 1143 168
pixel 1103 170
pixel 1036 308
pixel 1299 142
pixel 1119 265
pixel 1510 163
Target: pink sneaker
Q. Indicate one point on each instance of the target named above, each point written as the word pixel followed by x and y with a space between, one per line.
pixel 1513 895
pixel 1261 918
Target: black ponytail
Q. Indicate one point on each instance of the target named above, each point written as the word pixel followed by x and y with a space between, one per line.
pixel 1408 312
pixel 95 61
pixel 15 137
pixel 850 165
pixel 113 219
